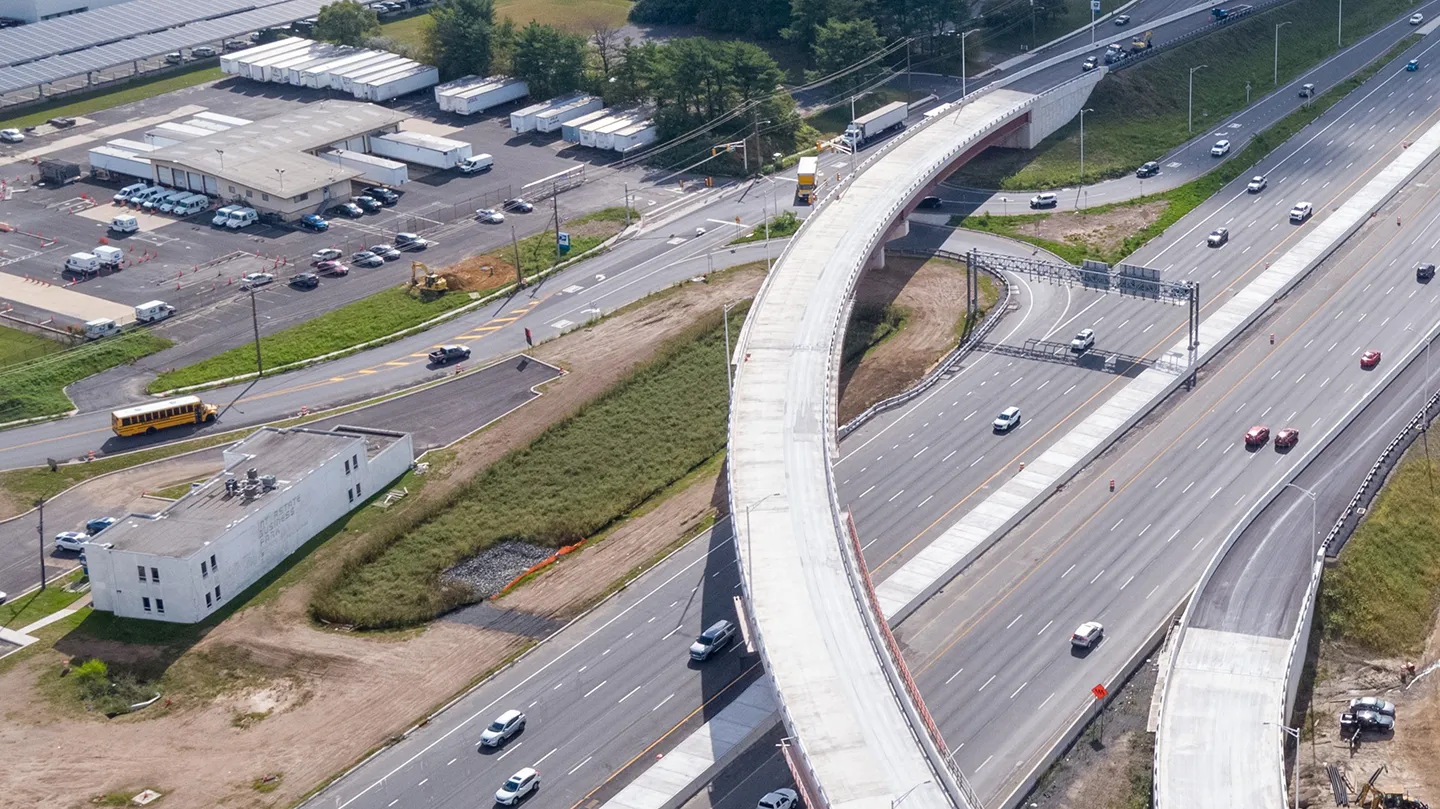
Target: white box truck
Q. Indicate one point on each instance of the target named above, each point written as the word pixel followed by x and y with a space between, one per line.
pixel 82 264
pixel 497 91
pixel 874 124
pixel 421 149
pixel 378 170
pixel 153 312
pixel 555 117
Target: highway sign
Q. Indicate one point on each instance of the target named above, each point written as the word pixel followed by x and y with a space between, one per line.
pixel 1095 6
pixel 1100 691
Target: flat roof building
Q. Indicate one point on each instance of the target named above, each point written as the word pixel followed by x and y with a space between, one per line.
pixel 280 488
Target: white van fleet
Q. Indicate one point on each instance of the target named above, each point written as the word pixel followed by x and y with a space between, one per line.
pixel 241 217
pixel 124 194
pixel 104 327
pixel 108 256
pixel 82 263
pixel 153 311
pixel 193 204
pixel 222 216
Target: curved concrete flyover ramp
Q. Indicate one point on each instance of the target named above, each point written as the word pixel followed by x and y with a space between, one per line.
pixel 862 739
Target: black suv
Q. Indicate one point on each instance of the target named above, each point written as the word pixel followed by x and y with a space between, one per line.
pixel 1424 272
pixel 305 280
pixel 930 202
pixel 385 195
pixel 1148 170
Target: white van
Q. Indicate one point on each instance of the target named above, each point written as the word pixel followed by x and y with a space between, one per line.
pixel 480 162
pixel 104 327
pixel 108 256
pixel 193 204
pixel 125 223
pixel 222 216
pixel 153 192
pixel 83 263
pixel 124 194
pixel 241 217
pixel 135 196
pixel 153 311
pixel 157 202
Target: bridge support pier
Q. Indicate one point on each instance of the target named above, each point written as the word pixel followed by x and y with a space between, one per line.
pixel 899 230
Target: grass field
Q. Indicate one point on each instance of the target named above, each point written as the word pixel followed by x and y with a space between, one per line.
pixel 780 226
pixel 577 478
pixel 113 97
pixel 1383 594
pixel 870 325
pixel 1140 113
pixel 17 346
pixel 23 610
pixel 1186 198
pixel 37 387
pixel 580 16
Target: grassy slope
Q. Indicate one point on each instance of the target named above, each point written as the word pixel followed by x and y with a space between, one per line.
pixel 1385 590
pixel 573 481
pixel 780 226
pixel 37 388
pixel 105 99
pixel 1140 113
pixel 579 16
pixel 1186 198
pixel 17 346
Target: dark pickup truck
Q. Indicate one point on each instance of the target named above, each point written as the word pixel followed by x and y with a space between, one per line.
pixel 445 354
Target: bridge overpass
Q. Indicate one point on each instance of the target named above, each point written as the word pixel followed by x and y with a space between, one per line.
pixel 860 735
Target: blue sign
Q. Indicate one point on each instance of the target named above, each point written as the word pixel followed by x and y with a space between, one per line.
pixel 1095 6
pixel 563 241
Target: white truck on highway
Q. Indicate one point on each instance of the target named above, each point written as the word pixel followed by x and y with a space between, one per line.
pixel 873 124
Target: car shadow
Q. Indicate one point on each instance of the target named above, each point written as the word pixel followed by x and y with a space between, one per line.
pixel 1082 652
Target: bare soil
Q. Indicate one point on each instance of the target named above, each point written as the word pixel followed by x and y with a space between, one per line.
pixel 479 273
pixel 1106 231
pixel 934 293
pixel 266 693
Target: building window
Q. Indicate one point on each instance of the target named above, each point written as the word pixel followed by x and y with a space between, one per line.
pixel 214 565
pixel 145 602
pixel 155 574
pixel 357 494
pixel 217 592
pixel 207 601
pixel 347 467
pixel 265 197
pixel 160 605
pixel 303 197
pixel 141 570
pixel 249 194
pixel 232 189
pixel 355 459
pixel 204 570
pixel 351 494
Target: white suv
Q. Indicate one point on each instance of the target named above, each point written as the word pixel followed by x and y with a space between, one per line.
pixel 1220 149
pixel 783 798
pixel 1301 212
pixel 1008 420
pixel 505 725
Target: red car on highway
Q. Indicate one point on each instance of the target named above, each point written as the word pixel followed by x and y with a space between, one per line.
pixel 1287 438
pixel 1258 436
pixel 1370 359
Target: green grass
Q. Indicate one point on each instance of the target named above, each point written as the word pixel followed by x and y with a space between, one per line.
pixel 409 29
pixel 1181 201
pixel 580 476
pixel 870 325
pixel 1383 594
pixel 537 252
pixel 139 90
pixel 780 226
pixel 1075 13
pixel 24 610
pixel 578 16
pixel 834 120
pixel 37 388
pixel 1140 113
pixel 17 346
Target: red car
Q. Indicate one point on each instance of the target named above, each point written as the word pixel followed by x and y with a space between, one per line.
pixel 332 268
pixel 1287 438
pixel 1370 359
pixel 1258 436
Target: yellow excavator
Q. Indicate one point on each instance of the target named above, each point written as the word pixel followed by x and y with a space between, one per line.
pixel 1372 797
pixel 429 283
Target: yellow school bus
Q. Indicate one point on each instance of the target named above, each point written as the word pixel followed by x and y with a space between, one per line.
pixel 148 418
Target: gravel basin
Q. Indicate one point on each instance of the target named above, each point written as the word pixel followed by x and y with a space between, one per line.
pixel 487 573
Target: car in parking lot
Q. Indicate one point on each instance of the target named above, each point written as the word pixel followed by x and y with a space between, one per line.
pixel 256 279
pixel 368 203
pixel 410 241
pixel 1083 341
pixel 1287 438
pixel 1374 705
pixel 449 353
pixel 385 251
pixel 61 122
pixel 236 44
pixel 365 258
pixel 1257 436
pixel 505 725
pixel 518 205
pixel 174 58
pixel 490 216
pixel 1008 420
pixel 1218 237
pixel 1045 200
pixel 315 222
pixel 1123 19
pixel 1090 63
pixel 1087 634
pixel 1370 359
pixel 1351 721
pixel 1220 149
pixel 1424 272
pixel 1257 184
pixel 1149 169
pixel 202 52
pixel 71 541
pixel 712 640
pixel 332 267
pixel 327 254
pixel 12 136
pixel 1301 212
pixel 385 195
pixel 1417 18
pixel 349 209
pixel 305 280
pixel 782 798
pixel 520 785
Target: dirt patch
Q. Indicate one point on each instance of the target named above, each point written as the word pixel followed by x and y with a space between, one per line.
pixel 933 295
pixel 1104 232
pixel 267 693
pixel 479 273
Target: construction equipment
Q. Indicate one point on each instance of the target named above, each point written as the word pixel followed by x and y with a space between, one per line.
pixel 1140 42
pixel 431 284
pixel 1371 797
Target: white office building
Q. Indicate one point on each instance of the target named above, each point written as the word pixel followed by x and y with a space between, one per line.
pixel 280 488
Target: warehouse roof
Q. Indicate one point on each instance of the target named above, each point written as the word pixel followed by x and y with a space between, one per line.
pixel 202 517
pixel 272 154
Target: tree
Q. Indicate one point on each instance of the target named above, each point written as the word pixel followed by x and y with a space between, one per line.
pixel 346 22
pixel 630 74
pixel 664 12
pixel 606 39
pixel 551 61
pixel 808 15
pixel 460 37
pixel 758 19
pixel 839 44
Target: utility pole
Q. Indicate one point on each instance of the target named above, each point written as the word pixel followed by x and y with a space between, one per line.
pixel 1190 105
pixel 555 203
pixel 1082 145
pixel 519 273
pixel 255 324
pixel 40 504
pixel 627 205
pixel 1278 26
pixel 1339 24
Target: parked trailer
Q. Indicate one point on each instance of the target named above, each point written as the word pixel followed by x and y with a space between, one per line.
pixel 634 136
pixel 523 119
pixel 132 146
pixel 555 117
pixel 588 131
pixel 409 80
pixel 318 76
pixel 377 69
pixel 378 170
pixel 421 149
pixel 233 64
pixel 278 72
pixel 605 135
pixel 253 66
pixel 500 90
pixel 570 130
pixel 293 73
pixel 336 79
pixel 872 125
pixel 222 119
pixel 116 161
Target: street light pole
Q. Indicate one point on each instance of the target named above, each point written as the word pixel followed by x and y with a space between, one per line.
pixel 1278 26
pixel 1339 24
pixel 897 801
pixel 1190 105
pixel 963 89
pixel 1082 144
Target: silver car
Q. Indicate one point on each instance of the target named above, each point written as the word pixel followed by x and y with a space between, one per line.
pixel 505 725
pixel 1374 704
pixel 712 639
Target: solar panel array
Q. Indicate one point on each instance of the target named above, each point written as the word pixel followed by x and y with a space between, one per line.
pixel 147 45
pixel 110 24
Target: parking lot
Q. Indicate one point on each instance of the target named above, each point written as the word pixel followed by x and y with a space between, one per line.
pixel 197 267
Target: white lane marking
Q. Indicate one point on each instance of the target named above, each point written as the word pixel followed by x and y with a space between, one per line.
pixel 867 491
pixel 1097 576
pixel 921 452
pixel 926 500
pixel 947 457
pixel 671 632
pixel 515 747
pixel 1067 571
pixel 596 688
pixel 977 460
pixel 662 703
pixel 987 682
pixel 1012 622
pixel 1043 628
pixel 895 495
pixel 1197 543
pixel 1172 536
pixel 1047 699
pixel 541 760
pixel 631 694
pixel 581 764
pixel 1021 688
pixel 1187 487
pixel 451 761
pixel 1117 524
pixel 1152 591
pixel 1127 582
pixel 1067 390
pixel 972 412
pixel 557 686
pixel 1161 483
pixel 1042 386
pixel 953 676
pixel 1217 491
pixel 983 763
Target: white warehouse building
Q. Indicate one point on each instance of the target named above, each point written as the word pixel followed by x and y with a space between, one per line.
pixel 280 488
